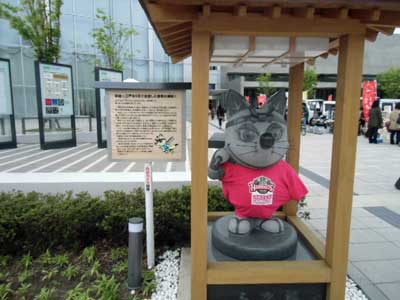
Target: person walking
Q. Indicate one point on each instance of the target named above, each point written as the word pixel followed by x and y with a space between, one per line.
pixel 220 115
pixel 394 125
pixel 375 122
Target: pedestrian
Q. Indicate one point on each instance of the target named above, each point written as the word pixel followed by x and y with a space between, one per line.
pixel 220 115
pixel 394 125
pixel 375 122
pixel 361 122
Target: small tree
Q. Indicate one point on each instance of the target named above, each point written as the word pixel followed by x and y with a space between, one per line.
pixel 37 21
pixel 389 82
pixel 264 84
pixel 310 81
pixel 111 39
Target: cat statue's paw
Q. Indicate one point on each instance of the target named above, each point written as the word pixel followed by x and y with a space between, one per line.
pixel 239 225
pixel 273 225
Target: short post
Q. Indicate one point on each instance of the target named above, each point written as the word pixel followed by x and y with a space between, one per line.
pixel 90 123
pixel 135 253
pixel 23 125
pixel 148 187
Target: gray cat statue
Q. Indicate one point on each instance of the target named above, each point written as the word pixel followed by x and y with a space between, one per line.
pixel 255 179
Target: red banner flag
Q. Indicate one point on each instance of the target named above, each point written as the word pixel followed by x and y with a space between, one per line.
pixel 369 97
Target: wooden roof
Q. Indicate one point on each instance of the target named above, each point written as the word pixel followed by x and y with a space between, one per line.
pixel 173 19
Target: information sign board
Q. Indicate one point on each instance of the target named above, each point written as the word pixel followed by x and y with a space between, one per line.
pixel 56 90
pixel 146 125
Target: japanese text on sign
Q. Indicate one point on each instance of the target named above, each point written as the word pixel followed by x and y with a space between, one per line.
pixel 146 125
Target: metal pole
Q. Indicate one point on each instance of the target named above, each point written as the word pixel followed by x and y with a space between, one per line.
pixel 148 187
pixel 135 253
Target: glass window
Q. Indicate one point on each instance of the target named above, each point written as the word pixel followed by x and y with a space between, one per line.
pixel 159 53
pixel 85 71
pixel 67 7
pixel 67 33
pixel 175 72
pixel 141 43
pixel 8 35
pixel 138 14
pixel 19 101
pixel 104 5
pixel 160 72
pixel 122 11
pixel 141 70
pixel 84 8
pixel 86 102
pixel 29 67
pixel 15 64
pixel 31 101
pixel 84 40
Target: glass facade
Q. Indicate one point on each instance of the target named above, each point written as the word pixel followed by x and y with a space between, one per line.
pixel 149 62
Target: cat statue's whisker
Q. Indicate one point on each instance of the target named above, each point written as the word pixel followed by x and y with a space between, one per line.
pixel 240 154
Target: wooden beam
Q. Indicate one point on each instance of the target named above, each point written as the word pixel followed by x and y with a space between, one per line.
pixel 174 40
pixel 262 272
pixel 388 18
pixel 295 110
pixel 348 90
pixel 276 12
pixel 175 29
pixel 371 35
pixel 215 215
pixel 252 48
pixel 311 62
pixel 175 36
pixel 333 51
pixel 306 12
pixel 384 30
pixel 179 43
pixel 206 10
pixel 241 10
pixel 337 13
pixel 291 50
pixel 285 26
pixel 171 13
pixel 309 236
pixel 366 14
pixel 176 59
pixel 182 49
pixel 324 55
pixel 199 244
pixel 165 25
pixel 181 52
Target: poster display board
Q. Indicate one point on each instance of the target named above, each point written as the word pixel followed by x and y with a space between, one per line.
pixel 8 137
pixel 55 98
pixel 103 75
pixel 146 125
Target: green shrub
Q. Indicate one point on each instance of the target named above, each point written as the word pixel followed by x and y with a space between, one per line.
pixel 34 222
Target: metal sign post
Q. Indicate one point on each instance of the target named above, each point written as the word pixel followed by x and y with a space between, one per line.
pixel 148 188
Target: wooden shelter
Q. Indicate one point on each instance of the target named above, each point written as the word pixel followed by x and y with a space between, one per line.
pixel 191 27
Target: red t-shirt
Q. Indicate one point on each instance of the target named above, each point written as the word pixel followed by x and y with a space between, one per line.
pixel 258 193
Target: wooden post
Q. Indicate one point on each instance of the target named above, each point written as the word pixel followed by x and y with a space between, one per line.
pixel 295 109
pixel 199 210
pixel 351 53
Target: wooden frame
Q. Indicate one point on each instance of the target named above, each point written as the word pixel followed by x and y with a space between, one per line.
pixel 347 25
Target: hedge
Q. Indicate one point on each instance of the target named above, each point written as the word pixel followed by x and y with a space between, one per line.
pixel 34 222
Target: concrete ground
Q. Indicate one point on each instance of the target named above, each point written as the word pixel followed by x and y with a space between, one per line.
pixel 374 261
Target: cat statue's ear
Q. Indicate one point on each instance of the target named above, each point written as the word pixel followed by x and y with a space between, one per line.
pixel 233 102
pixel 278 102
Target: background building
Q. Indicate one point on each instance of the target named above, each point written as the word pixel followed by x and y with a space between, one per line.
pixel 150 63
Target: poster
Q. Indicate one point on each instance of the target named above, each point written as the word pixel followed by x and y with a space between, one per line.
pixel 56 90
pixel 369 97
pixel 5 89
pixel 107 75
pixel 146 125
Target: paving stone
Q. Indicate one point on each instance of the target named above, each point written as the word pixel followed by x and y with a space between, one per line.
pixel 380 271
pixel 391 234
pixel 365 236
pixel 391 290
pixel 372 222
pixel 360 212
pixel 373 251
